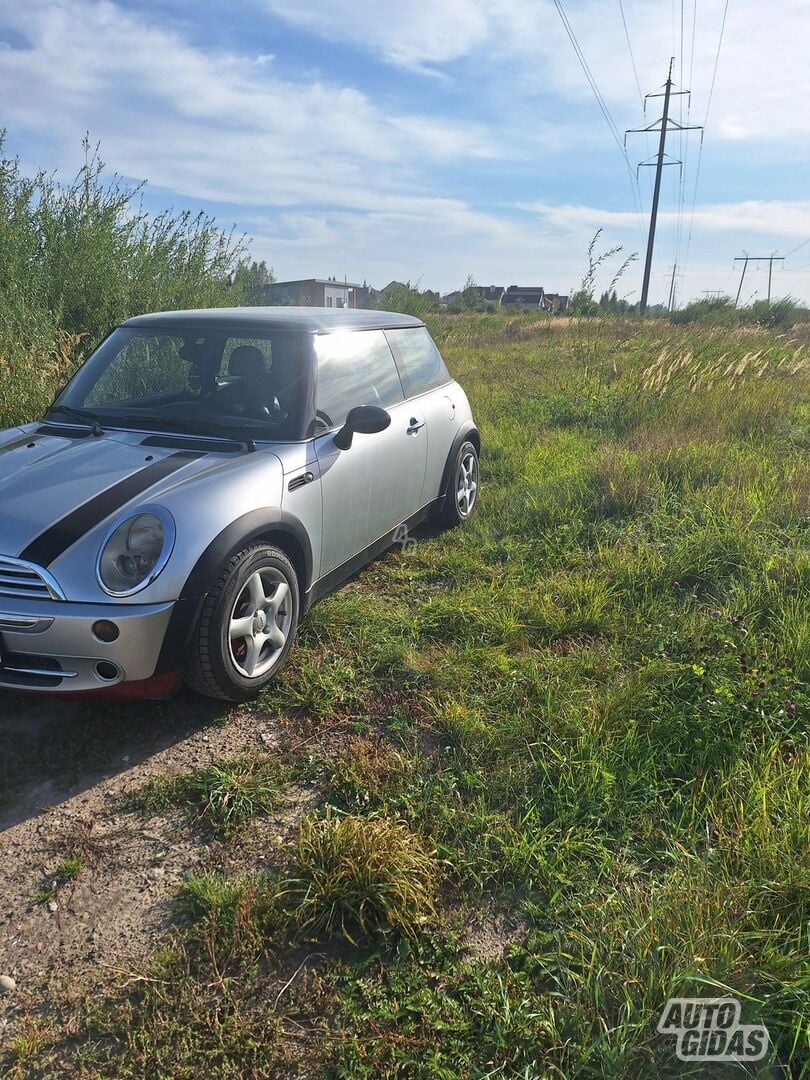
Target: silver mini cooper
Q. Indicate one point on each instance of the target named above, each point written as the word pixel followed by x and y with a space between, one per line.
pixel 203 479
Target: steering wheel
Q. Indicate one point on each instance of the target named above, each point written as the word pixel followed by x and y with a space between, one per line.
pixel 325 417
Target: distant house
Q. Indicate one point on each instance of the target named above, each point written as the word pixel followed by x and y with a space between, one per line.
pixel 319 292
pixel 524 296
pixel 491 294
pixel 533 297
pixel 555 302
pixel 487 294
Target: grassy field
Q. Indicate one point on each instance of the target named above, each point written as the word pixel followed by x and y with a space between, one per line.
pixel 582 720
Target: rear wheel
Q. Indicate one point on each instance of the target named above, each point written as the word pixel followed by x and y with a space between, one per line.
pixel 462 488
pixel 247 625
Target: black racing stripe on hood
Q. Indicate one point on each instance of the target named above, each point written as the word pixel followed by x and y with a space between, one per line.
pixel 15 444
pixel 49 545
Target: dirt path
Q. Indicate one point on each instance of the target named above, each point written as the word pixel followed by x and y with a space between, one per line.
pixel 63 768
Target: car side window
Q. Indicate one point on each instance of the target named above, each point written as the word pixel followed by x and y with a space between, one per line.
pixel 354 368
pixel 420 362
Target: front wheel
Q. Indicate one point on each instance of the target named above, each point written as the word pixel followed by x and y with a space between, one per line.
pixel 247 625
pixel 462 488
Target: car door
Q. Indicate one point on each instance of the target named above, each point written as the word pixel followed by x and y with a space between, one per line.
pixel 376 484
pixel 431 391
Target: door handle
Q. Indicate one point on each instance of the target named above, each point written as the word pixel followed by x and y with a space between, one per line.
pixel 415 425
pixel 299 481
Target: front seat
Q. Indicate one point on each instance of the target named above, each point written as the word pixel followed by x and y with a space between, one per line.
pixel 253 394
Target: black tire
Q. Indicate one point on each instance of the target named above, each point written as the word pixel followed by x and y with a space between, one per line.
pixel 452 512
pixel 215 656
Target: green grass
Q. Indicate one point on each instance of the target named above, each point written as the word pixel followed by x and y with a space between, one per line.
pixel 589 708
pixel 224 795
pixel 66 870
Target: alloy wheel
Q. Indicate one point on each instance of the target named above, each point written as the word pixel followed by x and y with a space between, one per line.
pixel 467 485
pixel 260 622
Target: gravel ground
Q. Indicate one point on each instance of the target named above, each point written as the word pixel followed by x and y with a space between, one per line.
pixel 64 770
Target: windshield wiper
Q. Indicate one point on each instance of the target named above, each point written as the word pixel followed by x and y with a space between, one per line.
pixel 78 414
pixel 189 427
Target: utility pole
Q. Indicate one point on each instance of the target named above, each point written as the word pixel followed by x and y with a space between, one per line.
pixel 666 125
pixel 673 287
pixel 744 261
pixel 769 259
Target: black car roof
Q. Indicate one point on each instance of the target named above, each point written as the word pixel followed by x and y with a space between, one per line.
pixel 312 320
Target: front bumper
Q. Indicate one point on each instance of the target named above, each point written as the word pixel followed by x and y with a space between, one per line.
pixel 50 646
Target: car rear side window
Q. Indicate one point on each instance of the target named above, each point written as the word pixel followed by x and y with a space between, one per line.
pixel 354 368
pixel 420 362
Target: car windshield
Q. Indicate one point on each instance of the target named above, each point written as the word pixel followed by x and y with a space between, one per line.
pixel 244 382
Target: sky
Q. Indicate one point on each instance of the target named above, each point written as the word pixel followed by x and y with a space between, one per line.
pixel 432 140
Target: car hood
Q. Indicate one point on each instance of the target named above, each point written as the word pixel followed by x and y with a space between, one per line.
pixel 56 489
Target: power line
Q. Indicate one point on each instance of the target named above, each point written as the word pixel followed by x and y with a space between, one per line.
pixel 678 197
pixel 798 247
pixel 692 51
pixel 680 56
pixel 630 50
pixel 638 85
pixel 705 122
pixel 600 101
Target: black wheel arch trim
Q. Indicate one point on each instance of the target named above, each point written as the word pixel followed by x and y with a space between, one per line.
pixel 248 529
pixel 468 432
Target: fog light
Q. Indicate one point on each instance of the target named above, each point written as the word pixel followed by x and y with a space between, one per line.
pixel 107 671
pixel 105 630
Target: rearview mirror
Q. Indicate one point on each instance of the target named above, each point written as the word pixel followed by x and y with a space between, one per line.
pixel 363 420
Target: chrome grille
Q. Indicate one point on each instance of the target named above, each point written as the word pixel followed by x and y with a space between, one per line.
pixel 23 581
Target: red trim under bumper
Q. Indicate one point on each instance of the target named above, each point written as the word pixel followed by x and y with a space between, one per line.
pixel 157 688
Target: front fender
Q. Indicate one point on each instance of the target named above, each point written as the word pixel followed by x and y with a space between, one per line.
pixel 247 529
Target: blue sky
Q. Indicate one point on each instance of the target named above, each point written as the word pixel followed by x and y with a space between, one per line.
pixel 432 140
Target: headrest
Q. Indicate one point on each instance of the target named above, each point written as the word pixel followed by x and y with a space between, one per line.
pixel 248 362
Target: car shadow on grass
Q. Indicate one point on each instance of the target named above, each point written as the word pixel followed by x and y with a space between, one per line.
pixel 52 749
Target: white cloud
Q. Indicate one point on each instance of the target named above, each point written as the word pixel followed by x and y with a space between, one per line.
pixel 408 33
pixel 220 127
pixel 772 218
pixel 763 75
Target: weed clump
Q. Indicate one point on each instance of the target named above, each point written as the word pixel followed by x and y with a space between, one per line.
pixel 224 795
pixel 366 874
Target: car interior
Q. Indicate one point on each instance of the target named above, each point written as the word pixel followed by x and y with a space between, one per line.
pixel 212 378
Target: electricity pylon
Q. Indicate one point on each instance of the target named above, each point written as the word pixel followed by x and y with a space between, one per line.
pixel 666 124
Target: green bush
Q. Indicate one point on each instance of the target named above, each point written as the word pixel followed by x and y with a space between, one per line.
pixel 408 300
pixel 715 312
pixel 79 257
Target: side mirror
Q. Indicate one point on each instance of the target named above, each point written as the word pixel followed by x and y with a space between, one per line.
pixel 57 392
pixel 362 419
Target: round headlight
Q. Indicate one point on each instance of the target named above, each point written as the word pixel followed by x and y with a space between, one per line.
pixel 134 554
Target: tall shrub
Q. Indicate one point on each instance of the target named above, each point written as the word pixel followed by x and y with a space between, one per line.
pixel 79 257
